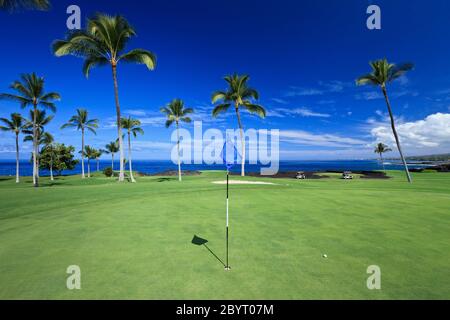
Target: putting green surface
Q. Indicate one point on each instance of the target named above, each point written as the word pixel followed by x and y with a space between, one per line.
pixel 133 241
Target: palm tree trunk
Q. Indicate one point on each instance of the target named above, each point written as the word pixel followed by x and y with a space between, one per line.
pixel 82 153
pixel 112 162
pixel 89 168
pixel 17 157
pixel 241 133
pixel 178 153
pixel 394 131
pixel 119 126
pixel 35 147
pixel 129 158
pixel 51 168
pixel 382 162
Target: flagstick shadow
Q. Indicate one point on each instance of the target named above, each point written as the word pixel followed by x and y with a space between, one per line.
pixel 202 242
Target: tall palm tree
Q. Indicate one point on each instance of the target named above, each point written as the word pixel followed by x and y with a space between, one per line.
pixel 30 92
pixel 383 73
pixel 11 5
pixel 90 153
pixel 41 120
pixel 43 138
pixel 15 124
pixel 97 157
pixel 47 140
pixel 132 127
pixel 381 148
pixel 112 148
pixel 81 122
pixel 239 95
pixel 103 43
pixel 176 112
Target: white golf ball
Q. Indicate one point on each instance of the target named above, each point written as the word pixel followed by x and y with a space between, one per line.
pixel 325 256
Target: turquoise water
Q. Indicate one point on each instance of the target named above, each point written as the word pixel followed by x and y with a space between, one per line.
pixel 8 167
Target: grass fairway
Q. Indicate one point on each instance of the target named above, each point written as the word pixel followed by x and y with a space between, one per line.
pixel 133 241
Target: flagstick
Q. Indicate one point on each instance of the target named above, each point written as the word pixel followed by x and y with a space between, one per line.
pixel 227 267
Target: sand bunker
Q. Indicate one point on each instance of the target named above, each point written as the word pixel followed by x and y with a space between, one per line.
pixel 241 182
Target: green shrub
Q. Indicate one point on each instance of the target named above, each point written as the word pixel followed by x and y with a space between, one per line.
pixel 108 172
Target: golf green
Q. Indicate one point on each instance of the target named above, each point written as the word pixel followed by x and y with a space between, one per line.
pixel 133 241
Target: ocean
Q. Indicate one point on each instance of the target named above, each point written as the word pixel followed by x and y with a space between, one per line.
pixel 8 167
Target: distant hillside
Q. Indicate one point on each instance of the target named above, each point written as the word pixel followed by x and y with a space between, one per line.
pixel 433 157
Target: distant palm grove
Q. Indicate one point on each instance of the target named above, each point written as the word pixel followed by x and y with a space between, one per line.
pixel 103 42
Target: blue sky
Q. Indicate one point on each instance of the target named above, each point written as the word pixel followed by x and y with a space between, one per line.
pixel 302 56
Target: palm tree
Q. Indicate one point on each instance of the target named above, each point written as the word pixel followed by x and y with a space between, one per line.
pixel 176 112
pixel 132 127
pixel 90 153
pixel 11 5
pixel 97 157
pixel 43 138
pixel 239 95
pixel 81 122
pixel 31 92
pixel 112 148
pixel 103 43
pixel 381 148
pixel 383 73
pixel 41 121
pixel 16 125
pixel 47 140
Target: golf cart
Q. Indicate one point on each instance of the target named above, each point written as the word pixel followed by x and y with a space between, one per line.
pixel 300 175
pixel 347 175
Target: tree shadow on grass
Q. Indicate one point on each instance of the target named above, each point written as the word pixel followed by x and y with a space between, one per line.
pixel 202 242
pixel 165 179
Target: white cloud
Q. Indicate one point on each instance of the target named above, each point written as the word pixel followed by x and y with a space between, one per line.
pixel 298 92
pixel 142 145
pixel 135 112
pixel 322 140
pixel 332 86
pixel 369 95
pixel 374 95
pixel 431 134
pixel 280 101
pixel 308 113
pixel 303 112
pixel 158 121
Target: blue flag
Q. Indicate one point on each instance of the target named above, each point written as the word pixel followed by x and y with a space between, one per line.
pixel 229 154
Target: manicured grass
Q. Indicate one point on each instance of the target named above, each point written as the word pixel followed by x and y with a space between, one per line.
pixel 134 240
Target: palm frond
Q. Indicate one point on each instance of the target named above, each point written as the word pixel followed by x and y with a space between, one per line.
pixel 256 109
pixel 140 56
pixel 186 119
pixel 91 62
pixel 221 108
pixel 48 105
pixel 13 5
pixel 12 97
pixel 367 79
pixel 218 95
pixel 169 122
pixel 398 71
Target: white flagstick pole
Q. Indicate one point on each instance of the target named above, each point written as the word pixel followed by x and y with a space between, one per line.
pixel 227 266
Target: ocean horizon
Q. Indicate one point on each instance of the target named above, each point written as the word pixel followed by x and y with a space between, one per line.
pixel 8 167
